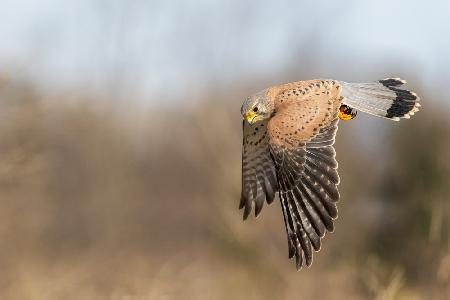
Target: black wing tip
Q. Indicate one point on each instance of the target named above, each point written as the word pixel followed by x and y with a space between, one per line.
pixel 245 216
pixel 291 251
pixel 258 209
pixel 242 202
pixel 259 204
pixel 303 256
pixel 298 261
pixel 302 261
pixel 330 227
pixel 247 211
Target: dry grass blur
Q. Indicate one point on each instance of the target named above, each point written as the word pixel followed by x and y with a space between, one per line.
pixel 103 204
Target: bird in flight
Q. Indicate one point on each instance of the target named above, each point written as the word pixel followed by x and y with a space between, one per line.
pixel 288 136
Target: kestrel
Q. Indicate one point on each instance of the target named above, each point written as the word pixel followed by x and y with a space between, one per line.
pixel 289 132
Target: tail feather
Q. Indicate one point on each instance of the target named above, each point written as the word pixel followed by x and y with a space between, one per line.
pixel 384 98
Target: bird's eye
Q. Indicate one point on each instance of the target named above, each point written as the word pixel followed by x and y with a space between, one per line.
pixel 255 109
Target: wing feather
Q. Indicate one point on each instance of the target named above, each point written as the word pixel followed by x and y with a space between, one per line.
pixel 259 179
pixel 308 180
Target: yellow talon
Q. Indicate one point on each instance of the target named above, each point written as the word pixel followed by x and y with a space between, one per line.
pixel 347 113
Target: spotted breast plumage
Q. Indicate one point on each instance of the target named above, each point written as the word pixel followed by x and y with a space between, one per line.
pixel 288 136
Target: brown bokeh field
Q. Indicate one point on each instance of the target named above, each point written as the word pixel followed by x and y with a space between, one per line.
pixel 102 202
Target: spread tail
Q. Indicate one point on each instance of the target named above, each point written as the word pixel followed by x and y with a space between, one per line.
pixel 384 98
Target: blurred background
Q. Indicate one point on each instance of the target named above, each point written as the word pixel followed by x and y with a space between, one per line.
pixel 120 148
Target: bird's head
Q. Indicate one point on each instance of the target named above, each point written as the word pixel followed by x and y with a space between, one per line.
pixel 257 107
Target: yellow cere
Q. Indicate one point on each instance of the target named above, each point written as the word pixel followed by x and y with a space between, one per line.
pixel 250 115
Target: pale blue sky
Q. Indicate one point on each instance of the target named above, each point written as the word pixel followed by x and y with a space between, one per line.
pixel 146 46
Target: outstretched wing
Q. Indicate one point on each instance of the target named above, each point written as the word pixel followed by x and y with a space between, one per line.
pixel 301 137
pixel 308 178
pixel 259 181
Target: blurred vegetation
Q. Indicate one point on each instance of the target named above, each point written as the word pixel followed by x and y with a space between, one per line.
pixel 130 203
